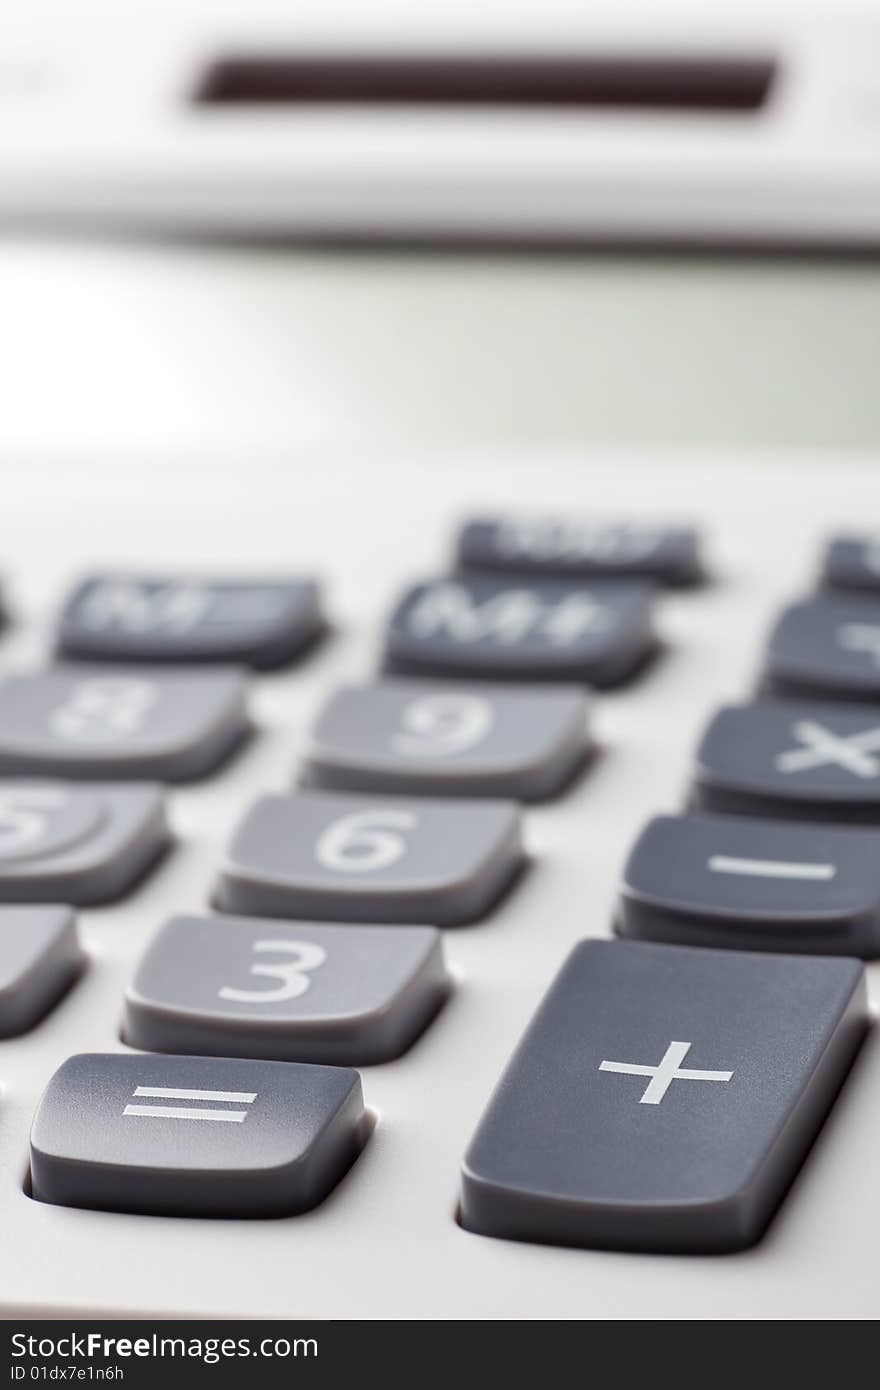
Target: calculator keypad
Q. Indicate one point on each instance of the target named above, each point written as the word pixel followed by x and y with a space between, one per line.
pixel 370 859
pixel 74 844
pixel 291 991
pixel 827 647
pixel 484 626
pixel 40 957
pixel 443 739
pixel 195 1136
pixel 173 726
pixel 580 549
pixel 129 617
pixel 788 760
pixel 734 881
pixel 662 1098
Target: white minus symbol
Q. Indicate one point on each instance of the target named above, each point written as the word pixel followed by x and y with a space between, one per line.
pixel 182 1112
pixel 770 868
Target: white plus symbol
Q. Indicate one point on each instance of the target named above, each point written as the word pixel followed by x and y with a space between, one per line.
pixel 666 1071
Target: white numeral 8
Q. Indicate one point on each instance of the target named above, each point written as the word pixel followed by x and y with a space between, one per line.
pixel 104 710
pixel 365 841
pixel 442 725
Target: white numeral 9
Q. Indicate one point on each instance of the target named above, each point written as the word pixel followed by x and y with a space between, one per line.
pixel 364 841
pixel 441 725
pixel 292 973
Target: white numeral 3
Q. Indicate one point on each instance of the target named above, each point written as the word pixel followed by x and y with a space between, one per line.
pixel 292 973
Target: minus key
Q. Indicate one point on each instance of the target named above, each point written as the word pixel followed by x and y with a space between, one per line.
pixel 735 881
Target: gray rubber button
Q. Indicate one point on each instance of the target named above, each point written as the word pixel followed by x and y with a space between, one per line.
pixel 120 616
pixel 79 722
pixel 663 1098
pixel 82 845
pixel 733 881
pixel 370 859
pixel 581 549
pixel 291 991
pixel 439 739
pixel 40 957
pixel 791 761
pixel 852 562
pixel 194 1136
pixel 826 647
pixel 485 626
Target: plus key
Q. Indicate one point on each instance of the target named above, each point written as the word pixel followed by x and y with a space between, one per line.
pixel 574 1148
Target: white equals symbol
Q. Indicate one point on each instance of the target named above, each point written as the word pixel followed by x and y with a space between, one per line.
pixel 186 1112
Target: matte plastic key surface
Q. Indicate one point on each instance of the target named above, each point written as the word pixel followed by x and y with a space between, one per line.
pixel 78 722
pixel 826 647
pixel 446 739
pixel 663 1098
pixel 120 616
pixel 292 991
pixel 70 843
pixel 852 562
pixel 791 761
pixel 194 1136
pixel 386 859
pixel 40 957
pixel 581 549
pixel 735 881
pixel 483 626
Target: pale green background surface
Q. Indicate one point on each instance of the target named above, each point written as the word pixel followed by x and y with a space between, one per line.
pixel 118 346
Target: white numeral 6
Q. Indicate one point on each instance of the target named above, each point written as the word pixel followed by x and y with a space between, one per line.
pixel 365 841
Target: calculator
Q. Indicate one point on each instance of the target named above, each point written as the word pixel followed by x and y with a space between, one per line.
pixel 440 889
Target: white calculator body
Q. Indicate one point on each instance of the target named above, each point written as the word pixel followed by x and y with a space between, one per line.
pixel 502 121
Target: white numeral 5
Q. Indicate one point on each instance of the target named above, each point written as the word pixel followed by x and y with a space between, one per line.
pixel 291 973
pixel 23 819
pixel 365 841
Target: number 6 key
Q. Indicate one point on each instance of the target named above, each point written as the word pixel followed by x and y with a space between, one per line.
pixel 370 859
